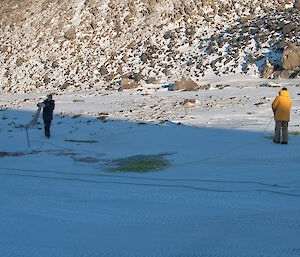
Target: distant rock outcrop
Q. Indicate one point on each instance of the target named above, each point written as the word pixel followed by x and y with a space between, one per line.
pixel 94 43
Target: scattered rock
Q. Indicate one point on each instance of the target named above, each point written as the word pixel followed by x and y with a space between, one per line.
pixel 271 84
pixel 20 61
pixel 64 86
pixel 102 116
pixel 187 102
pixel 222 86
pixel 205 87
pixel 103 70
pixel 46 79
pixel 145 57
pixel 52 58
pixel 54 64
pixel 260 103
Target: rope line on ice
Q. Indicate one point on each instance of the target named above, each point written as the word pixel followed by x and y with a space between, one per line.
pixel 149 185
pixel 151 179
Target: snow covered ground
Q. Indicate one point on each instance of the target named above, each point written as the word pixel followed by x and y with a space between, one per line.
pixel 229 191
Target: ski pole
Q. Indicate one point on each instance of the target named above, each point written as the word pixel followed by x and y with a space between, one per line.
pixel 268 125
pixel 27 137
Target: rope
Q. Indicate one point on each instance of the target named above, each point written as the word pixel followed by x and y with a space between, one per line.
pixel 150 185
pixel 147 178
pixel 28 142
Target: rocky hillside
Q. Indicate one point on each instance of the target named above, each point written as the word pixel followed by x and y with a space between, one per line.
pixel 82 44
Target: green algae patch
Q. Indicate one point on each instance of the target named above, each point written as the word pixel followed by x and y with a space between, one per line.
pixel 295 133
pixel 269 137
pixel 141 164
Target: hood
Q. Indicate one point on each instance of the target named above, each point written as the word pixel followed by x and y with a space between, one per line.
pixel 284 93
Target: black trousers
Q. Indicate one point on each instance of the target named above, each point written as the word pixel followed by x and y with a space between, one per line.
pixel 47 127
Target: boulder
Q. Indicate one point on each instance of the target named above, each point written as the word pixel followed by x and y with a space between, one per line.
pixel 70 34
pixel 185 84
pixel 126 83
pixel 291 58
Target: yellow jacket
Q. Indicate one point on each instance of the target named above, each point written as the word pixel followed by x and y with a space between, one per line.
pixel 282 106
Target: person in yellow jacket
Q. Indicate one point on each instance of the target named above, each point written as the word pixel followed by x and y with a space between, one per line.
pixel 281 107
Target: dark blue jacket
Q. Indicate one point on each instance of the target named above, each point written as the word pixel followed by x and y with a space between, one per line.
pixel 48 109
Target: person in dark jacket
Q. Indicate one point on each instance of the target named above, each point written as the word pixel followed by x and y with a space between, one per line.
pixel 48 107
